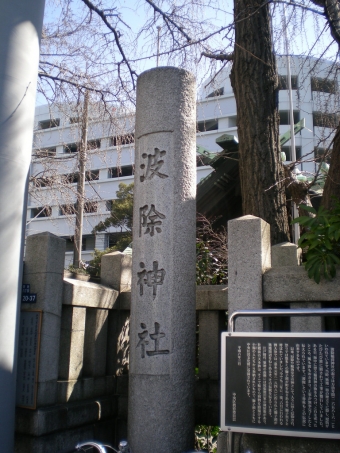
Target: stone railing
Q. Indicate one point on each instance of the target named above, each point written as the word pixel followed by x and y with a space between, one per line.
pixel 82 379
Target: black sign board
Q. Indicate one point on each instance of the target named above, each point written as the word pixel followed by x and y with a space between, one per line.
pixel 28 358
pixel 281 383
pixel 27 297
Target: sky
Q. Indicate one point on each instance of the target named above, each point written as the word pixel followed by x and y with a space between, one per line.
pixel 306 33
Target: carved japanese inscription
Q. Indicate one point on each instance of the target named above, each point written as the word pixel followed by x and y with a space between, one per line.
pixel 150 220
pixel 153 165
pixel 156 337
pixel 152 278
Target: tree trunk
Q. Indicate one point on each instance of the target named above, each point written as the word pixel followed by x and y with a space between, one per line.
pixel 332 185
pixel 254 81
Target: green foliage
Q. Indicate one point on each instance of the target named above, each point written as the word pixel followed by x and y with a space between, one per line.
pixel 95 263
pixel 321 240
pixel 121 211
pixel 211 254
pixel 206 438
pixel 78 270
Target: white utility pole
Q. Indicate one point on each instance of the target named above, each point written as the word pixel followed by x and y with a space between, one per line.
pixel 20 32
pixel 295 213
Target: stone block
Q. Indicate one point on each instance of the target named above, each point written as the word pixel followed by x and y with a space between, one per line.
pixel 249 251
pixel 88 387
pixel 115 271
pixel 69 391
pixel 210 327
pixel 88 294
pixel 45 252
pixel 308 323
pixel 59 417
pixel 53 442
pixel 201 390
pixel 49 290
pixel 118 342
pixel 285 254
pixel 283 444
pixel 100 386
pixel 95 342
pixel 124 301
pixel 212 297
pixel 110 385
pixel 46 393
pixel 122 406
pixel 291 284
pixel 122 385
pixel 222 442
pixel 72 339
pixel 49 348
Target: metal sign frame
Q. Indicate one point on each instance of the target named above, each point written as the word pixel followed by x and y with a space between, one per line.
pixel 267 313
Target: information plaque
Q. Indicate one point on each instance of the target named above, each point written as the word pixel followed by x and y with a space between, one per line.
pixel 284 384
pixel 28 358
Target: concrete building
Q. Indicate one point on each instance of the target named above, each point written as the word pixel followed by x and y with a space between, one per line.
pixel 111 147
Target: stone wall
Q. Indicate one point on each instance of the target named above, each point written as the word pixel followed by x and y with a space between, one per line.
pixel 84 351
pixel 82 383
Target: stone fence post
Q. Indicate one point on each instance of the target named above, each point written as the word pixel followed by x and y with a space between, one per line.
pixel 249 256
pixel 44 271
pixel 162 328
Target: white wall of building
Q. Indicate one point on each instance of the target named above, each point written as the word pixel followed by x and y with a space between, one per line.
pixel 219 111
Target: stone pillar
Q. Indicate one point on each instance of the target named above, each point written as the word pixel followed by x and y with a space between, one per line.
pixel 44 270
pixel 249 257
pixel 288 254
pixel 115 271
pixel 162 329
pixel 20 30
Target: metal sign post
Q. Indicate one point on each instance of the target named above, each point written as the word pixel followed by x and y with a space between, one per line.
pixel 280 383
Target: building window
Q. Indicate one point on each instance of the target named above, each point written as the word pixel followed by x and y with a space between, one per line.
pixel 71 148
pixel 92 175
pixel 232 121
pixel 93 144
pixel 71 178
pixel 208 125
pixel 44 152
pixel 218 92
pixel 67 209
pixel 288 151
pixel 114 172
pixel 88 242
pixel 322 154
pixel 44 181
pixel 74 120
pixel 323 85
pixel 284 117
pixel 113 238
pixel 90 207
pixel 108 205
pixel 330 120
pixel 48 124
pixel 283 82
pixel 119 140
pixel 45 211
pixel 74 147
